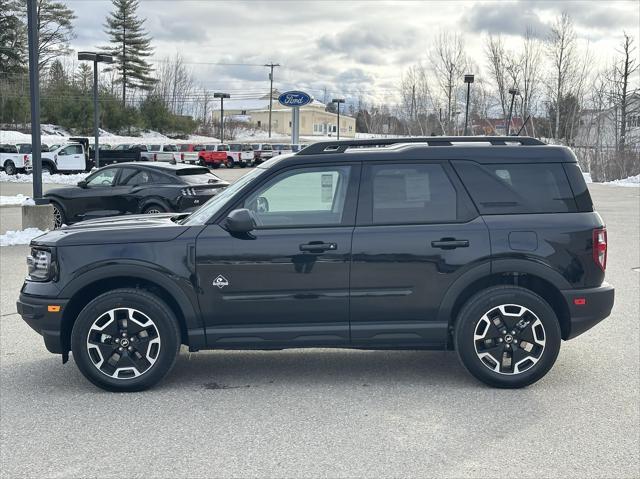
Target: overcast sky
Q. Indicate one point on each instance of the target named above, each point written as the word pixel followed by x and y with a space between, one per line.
pixel 347 47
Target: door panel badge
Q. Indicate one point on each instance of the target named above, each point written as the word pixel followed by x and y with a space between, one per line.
pixel 220 281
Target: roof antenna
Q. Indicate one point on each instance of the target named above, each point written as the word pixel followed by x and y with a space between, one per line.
pixel 523 125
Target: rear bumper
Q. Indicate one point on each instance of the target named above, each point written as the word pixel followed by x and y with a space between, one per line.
pixel 34 312
pixel 587 307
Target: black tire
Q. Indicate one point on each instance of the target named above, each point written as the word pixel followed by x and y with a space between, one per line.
pixel 215 166
pixel 243 165
pixel 59 218
pixel 540 332
pixel 230 162
pixel 48 167
pixel 153 209
pixel 201 162
pixel 10 168
pixel 161 343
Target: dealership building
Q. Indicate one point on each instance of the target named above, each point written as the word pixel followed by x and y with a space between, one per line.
pixel 314 120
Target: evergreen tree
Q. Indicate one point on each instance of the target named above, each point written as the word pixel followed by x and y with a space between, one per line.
pixel 130 45
pixel 13 39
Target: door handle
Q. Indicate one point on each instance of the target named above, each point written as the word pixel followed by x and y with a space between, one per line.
pixel 450 243
pixel 318 247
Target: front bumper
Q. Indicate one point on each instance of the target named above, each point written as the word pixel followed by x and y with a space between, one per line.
pixel 587 307
pixel 36 313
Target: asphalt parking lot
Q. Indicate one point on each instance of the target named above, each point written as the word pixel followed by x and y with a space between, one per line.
pixel 333 413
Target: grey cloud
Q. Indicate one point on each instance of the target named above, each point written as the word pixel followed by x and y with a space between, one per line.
pixel 506 18
pixel 604 15
pixel 371 36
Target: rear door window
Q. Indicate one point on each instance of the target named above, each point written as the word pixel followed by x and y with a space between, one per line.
pixel 510 188
pixel 411 194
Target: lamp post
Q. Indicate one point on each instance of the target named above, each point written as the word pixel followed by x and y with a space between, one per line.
pixel 34 91
pixel 337 101
pixel 513 92
pixel 468 79
pixel 95 58
pixel 222 96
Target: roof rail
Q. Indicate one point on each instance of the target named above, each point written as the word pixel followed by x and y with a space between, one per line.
pixel 340 146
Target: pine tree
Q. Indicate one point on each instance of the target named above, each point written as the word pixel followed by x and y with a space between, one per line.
pixel 13 39
pixel 130 45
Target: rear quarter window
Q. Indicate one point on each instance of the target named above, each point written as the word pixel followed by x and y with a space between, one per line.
pixel 509 188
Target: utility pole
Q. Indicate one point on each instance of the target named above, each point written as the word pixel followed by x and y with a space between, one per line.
pixel 271 66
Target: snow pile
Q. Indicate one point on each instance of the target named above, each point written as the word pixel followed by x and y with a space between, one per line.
pixel 55 179
pixel 19 199
pixel 11 238
pixel 633 181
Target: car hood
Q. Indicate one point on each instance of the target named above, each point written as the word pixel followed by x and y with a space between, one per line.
pixel 121 229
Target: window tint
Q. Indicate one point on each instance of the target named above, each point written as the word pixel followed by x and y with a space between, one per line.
pixel 223 147
pixel 235 147
pixel 142 177
pixel 302 197
pixel 184 147
pixel 412 194
pixel 169 148
pixel 517 188
pixel 126 175
pixel 210 147
pixel 103 178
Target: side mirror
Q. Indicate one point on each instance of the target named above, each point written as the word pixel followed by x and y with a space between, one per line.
pixel 240 221
pixel 82 184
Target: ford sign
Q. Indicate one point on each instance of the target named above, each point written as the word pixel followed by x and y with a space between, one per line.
pixel 294 98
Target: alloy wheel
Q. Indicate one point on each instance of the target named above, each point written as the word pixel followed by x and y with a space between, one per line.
pixel 153 210
pixel 123 343
pixel 509 339
pixel 57 217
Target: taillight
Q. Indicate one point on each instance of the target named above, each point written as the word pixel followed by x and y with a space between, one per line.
pixel 155 157
pixel 182 157
pixel 600 247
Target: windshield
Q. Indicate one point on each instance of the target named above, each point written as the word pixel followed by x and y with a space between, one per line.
pixel 211 207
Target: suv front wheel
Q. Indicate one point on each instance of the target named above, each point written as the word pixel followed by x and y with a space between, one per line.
pixel 507 336
pixel 125 340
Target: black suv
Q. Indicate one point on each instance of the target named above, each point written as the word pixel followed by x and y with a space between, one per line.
pixel 486 245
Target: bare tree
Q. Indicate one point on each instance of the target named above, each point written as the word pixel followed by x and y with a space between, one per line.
pixel 448 61
pixel 625 69
pixel 495 55
pixel 175 83
pixel 561 49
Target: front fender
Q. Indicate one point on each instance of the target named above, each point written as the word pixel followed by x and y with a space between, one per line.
pixel 180 288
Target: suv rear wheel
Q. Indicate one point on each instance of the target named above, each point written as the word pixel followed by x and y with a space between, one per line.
pixel 507 336
pixel 10 168
pixel 125 340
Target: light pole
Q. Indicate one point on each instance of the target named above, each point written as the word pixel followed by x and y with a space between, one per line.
pixel 34 91
pixel 468 79
pixel 272 66
pixel 337 101
pixel 222 96
pixel 513 92
pixel 95 58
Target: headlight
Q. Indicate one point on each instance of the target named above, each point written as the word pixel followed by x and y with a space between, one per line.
pixel 40 265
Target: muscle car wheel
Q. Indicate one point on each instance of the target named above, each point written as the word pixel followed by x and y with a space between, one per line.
pixel 125 340
pixel 507 336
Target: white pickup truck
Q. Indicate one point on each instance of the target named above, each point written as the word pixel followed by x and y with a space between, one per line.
pixel 13 162
pixel 158 152
pixel 64 159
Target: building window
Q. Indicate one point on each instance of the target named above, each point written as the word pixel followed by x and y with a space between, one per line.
pixel 350 128
pixel 259 123
pixel 290 124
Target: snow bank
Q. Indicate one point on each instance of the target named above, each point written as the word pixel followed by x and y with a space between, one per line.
pixel 19 199
pixel 11 238
pixel 55 179
pixel 633 181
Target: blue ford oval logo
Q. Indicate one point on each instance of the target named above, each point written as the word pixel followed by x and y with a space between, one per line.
pixel 294 98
